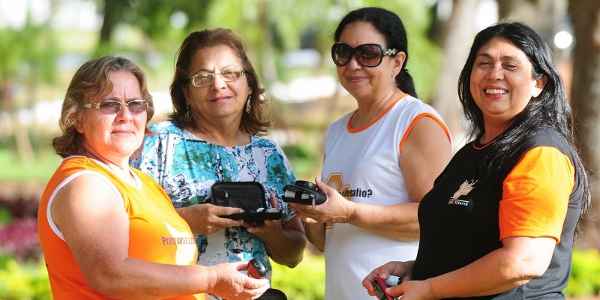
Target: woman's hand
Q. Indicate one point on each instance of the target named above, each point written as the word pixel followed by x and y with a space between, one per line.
pixel 397 268
pixel 284 240
pixel 336 208
pixel 267 231
pixel 207 218
pixel 412 290
pixel 230 283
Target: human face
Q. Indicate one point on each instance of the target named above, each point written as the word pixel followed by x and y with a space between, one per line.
pixel 502 82
pixel 114 136
pixel 223 98
pixel 365 82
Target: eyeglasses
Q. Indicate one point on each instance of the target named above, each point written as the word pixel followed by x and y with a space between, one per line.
pixel 111 107
pixel 367 55
pixel 205 78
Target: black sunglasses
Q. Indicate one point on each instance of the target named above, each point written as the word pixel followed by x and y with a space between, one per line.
pixel 367 55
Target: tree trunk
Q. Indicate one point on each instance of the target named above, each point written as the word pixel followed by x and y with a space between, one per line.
pixel 113 11
pixel 266 55
pixel 23 146
pixel 530 12
pixel 459 35
pixel 586 104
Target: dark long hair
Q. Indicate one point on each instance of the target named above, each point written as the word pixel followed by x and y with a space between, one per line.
pixel 549 109
pixel 391 27
pixel 253 121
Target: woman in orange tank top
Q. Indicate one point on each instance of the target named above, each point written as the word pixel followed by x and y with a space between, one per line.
pixel 107 230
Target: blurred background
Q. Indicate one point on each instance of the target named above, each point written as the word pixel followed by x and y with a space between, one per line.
pixel 42 42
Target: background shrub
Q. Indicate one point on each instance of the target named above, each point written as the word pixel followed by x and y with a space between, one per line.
pixel 304 282
pixel 585 274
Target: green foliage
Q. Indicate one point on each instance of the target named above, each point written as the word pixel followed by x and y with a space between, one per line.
pixel 28 53
pixel 38 170
pixel 304 160
pixel 5 216
pixel 23 280
pixel 585 274
pixel 10 53
pixel 424 56
pixel 304 282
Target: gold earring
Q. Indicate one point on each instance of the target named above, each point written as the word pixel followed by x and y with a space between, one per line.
pixel 248 104
pixel 188 113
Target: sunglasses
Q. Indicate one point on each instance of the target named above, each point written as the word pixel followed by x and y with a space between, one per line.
pixel 111 107
pixel 205 78
pixel 366 55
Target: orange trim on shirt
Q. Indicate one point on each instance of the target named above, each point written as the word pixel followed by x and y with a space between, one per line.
pixel 413 123
pixel 379 116
pixel 535 194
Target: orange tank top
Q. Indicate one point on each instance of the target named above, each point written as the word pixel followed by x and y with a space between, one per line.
pixel 156 232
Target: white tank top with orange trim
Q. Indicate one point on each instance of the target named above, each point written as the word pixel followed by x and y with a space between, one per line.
pixel 363 164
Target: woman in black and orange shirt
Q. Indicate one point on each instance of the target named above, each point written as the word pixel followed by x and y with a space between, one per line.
pixel 500 220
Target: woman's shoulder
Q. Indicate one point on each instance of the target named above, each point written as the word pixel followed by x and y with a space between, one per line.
pixel 165 128
pixel 415 104
pixel 264 142
pixel 340 122
pixel 547 136
pixel 79 162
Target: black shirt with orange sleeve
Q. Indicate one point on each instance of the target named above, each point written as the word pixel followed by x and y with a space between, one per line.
pixel 536 192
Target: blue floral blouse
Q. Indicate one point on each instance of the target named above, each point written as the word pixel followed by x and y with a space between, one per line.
pixel 186 167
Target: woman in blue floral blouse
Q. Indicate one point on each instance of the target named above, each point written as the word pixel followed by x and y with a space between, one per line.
pixel 214 135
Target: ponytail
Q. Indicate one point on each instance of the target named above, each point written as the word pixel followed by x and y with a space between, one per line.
pixel 405 83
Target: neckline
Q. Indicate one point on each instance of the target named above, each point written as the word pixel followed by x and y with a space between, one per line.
pixel 188 135
pixel 132 180
pixel 380 115
pixel 479 146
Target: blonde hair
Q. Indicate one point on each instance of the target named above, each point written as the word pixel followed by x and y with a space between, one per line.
pixel 91 81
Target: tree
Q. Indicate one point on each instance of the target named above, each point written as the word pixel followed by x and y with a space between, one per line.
pixel 112 12
pixel 529 12
pixel 586 103
pixel 152 17
pixel 460 30
pixel 26 62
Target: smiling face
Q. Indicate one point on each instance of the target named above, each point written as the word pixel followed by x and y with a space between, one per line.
pixel 502 81
pixel 219 99
pixel 114 136
pixel 365 82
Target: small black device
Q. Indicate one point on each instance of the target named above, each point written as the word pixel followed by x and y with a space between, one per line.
pixel 247 195
pixel 303 192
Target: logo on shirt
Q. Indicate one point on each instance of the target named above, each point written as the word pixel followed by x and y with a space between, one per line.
pixel 184 243
pixel 463 190
pixel 336 180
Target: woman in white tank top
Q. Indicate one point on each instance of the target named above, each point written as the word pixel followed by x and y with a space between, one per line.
pixel 380 160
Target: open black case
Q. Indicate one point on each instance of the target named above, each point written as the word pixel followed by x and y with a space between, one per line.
pixel 247 195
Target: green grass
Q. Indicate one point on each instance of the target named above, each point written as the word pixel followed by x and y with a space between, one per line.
pixel 38 170
pixel 304 282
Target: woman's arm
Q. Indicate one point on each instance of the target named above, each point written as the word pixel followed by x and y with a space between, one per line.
pixel 533 208
pixel 206 218
pixel 424 153
pixel 519 260
pixel 315 232
pixel 84 207
pixel 284 240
